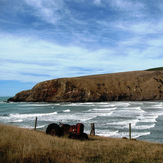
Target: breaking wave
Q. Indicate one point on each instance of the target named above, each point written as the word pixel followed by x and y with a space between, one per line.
pixel 110 118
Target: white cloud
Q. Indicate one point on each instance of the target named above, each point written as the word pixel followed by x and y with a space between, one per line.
pixel 28 58
pixel 127 5
pixel 97 2
pixel 156 42
pixel 35 60
pixel 51 10
pixel 141 28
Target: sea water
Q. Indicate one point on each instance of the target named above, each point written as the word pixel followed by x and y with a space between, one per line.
pixel 111 119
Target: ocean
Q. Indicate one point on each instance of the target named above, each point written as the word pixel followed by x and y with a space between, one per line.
pixel 111 119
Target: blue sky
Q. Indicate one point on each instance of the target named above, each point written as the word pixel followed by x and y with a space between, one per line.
pixel 48 39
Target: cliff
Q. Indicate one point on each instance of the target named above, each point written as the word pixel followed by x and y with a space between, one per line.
pixel 135 85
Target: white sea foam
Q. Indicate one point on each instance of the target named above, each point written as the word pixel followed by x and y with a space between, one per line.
pixel 142 127
pixel 16 121
pixel 68 110
pixel 101 114
pixel 27 126
pixel 106 133
pixel 102 103
pixel 71 104
pixel 37 104
pixel 84 119
pixel 113 115
pixel 31 127
pixel 136 103
pixel 138 134
pixel 127 113
pixel 42 126
pixel 104 114
pixel 133 134
pixel 134 109
pixel 158 105
pixel 120 134
pixel 78 116
pixel 124 123
pixel 148 118
pixel 31 115
pixel 103 109
pixel 2 102
pixel 122 104
pixel 104 106
pixel 87 103
pixel 69 117
pixel 79 104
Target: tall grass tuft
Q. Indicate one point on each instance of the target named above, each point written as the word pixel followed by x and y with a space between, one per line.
pixel 23 145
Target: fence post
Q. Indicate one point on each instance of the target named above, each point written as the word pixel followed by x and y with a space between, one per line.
pixel 92 133
pixel 130 131
pixel 35 123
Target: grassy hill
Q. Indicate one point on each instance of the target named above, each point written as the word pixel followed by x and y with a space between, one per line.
pixel 155 69
pixel 124 86
pixel 23 145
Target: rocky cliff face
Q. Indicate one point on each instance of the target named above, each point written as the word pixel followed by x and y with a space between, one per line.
pixel 136 85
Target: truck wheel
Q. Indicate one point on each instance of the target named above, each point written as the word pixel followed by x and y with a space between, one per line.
pixel 54 130
pixel 73 136
pixel 84 136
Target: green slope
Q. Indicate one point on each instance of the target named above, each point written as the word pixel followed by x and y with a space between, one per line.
pixel 155 69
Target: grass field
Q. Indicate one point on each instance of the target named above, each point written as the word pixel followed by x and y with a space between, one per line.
pixel 155 69
pixel 23 145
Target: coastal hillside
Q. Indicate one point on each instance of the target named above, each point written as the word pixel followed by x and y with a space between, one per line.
pixel 125 86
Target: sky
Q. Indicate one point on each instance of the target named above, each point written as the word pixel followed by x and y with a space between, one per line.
pixel 49 39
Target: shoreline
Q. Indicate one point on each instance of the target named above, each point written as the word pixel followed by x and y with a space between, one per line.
pixel 51 102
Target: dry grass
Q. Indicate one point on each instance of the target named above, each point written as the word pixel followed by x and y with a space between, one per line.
pixel 22 145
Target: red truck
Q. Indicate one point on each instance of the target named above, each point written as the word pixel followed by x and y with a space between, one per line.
pixel 71 131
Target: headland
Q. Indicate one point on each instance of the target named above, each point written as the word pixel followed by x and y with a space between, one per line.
pixel 124 86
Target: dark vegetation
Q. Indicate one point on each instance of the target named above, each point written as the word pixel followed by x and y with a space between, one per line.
pixel 155 69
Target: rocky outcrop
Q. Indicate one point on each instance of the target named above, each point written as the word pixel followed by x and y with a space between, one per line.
pixel 135 85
